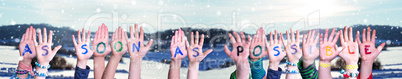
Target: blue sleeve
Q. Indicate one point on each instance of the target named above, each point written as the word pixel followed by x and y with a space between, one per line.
pixel 272 74
pixel 81 73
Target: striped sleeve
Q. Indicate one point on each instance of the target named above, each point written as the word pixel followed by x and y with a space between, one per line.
pixel 307 73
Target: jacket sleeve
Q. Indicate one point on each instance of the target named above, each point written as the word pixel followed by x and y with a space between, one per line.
pixel 81 73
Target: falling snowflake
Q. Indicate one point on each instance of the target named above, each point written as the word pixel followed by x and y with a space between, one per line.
pixel 98 10
pixel 133 2
pixel 62 11
pixel 365 20
pixel 12 22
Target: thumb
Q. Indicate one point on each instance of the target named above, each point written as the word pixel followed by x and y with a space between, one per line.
pixel 207 52
pixel 379 48
pixel 56 49
pixel 149 44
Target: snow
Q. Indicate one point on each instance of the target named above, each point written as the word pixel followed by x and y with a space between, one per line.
pixel 157 70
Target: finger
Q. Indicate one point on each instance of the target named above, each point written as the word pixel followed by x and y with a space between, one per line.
pixel 379 48
pixel 358 37
pixel 196 38
pixel 105 33
pixel 326 35
pixel 309 36
pixel 40 37
pixel 336 38
pixel 304 39
pixel 207 52
pixel 34 34
pixel 254 39
pixel 288 37
pixel 176 34
pixel 131 32
pixel 56 48
pixel 364 35
pixel 342 39
pixel 141 34
pixel 249 39
pixel 202 40
pixel 243 37
pixel 23 38
pixel 280 41
pixel 345 34
pixel 149 44
pixel 321 40
pixel 44 35
pixel 125 36
pixel 232 40
pixel 75 43
pixel 183 37
pixel 293 35
pixel 30 33
pixel 88 36
pixel 136 31
pixel 373 37
pixel 276 37
pixel 79 36
pixel 83 35
pixel 297 36
pixel 50 36
pixel 227 51
pixel 238 39
pixel 368 34
pixel 330 39
pixel 99 33
pixel 270 39
pixel 350 34
pixel 120 35
pixel 192 38
pixel 96 35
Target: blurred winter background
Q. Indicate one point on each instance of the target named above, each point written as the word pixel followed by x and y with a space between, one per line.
pixel 213 18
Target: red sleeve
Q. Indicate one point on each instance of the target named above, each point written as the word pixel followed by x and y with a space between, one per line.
pixel 370 77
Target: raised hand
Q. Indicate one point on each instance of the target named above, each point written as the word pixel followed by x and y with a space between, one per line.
pixel 27 45
pixel 195 55
pixel 101 42
pixel 178 45
pixel 257 48
pixel 195 49
pixel 178 52
pixel 119 42
pixel 310 50
pixel 275 52
pixel 328 48
pixel 350 55
pixel 328 51
pixel 367 46
pixel 82 48
pixel 292 48
pixel 240 54
pixel 240 48
pixel 136 44
pixel 44 52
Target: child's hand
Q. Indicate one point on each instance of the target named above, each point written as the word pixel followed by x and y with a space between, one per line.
pixel 195 49
pixel 119 42
pixel 136 44
pixel 178 45
pixel 101 42
pixel 367 48
pixel 328 48
pixel 292 48
pixel 257 46
pixel 240 50
pixel 44 52
pixel 27 45
pixel 310 51
pixel 275 52
pixel 350 55
pixel 82 49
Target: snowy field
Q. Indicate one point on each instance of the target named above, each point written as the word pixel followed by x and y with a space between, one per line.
pixel 391 61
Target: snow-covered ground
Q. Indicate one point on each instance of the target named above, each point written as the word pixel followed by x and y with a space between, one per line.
pixel 390 59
